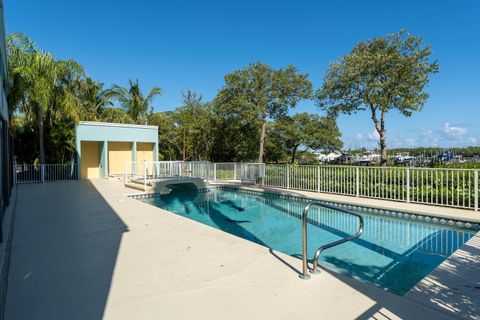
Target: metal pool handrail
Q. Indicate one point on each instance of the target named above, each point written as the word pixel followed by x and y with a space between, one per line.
pixel 305 274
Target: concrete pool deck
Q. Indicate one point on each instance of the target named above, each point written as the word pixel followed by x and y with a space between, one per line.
pixel 83 250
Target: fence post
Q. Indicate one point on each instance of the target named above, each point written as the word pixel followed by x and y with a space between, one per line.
pixel 408 185
pixel 234 171
pixel 241 172
pixel 288 176
pixel 264 172
pixel 475 188
pixel 318 179
pixel 357 181
pixel 214 172
pixel 42 172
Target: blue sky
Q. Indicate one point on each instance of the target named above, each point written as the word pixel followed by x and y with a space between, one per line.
pixel 191 45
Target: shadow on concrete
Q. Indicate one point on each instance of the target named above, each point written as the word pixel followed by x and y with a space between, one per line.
pixel 64 251
pixel 297 271
pixel 454 286
pixel 389 306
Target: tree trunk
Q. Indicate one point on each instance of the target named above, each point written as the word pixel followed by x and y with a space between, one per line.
pixel 380 127
pixel 294 152
pixel 383 140
pixel 40 141
pixel 262 138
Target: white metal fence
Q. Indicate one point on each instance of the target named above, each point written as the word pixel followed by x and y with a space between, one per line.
pixel 152 169
pixel 34 173
pixel 252 172
pixel 147 171
pixel 438 186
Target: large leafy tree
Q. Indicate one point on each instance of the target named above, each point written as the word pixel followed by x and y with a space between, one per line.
pixel 309 131
pixel 40 86
pixel 185 133
pixel 133 101
pixel 193 121
pixel 379 75
pixel 259 92
pixel 275 150
pixel 169 135
pixel 235 134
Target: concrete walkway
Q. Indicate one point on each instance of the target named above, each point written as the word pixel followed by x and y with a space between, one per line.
pixel 83 250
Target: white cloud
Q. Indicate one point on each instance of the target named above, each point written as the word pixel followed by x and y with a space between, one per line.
pixel 453 130
pixel 446 136
pixel 373 136
pixel 410 142
pixel 428 138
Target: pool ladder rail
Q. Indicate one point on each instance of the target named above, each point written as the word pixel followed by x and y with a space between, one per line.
pixel 315 269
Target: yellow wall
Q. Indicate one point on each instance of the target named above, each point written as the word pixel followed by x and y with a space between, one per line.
pixel 89 160
pixel 118 153
pixel 145 152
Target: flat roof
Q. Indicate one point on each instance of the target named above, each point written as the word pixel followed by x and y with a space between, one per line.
pixel 106 131
pixel 120 125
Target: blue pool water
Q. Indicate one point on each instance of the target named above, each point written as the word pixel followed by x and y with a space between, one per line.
pixel 394 254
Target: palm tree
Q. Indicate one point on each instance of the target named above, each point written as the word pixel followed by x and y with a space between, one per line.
pixel 132 99
pixel 94 98
pixel 41 85
pixel 19 47
pixel 115 115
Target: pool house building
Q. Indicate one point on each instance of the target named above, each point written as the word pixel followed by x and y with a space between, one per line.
pixel 104 148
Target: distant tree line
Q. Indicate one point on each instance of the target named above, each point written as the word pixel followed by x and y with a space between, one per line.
pixel 466 152
pixel 250 118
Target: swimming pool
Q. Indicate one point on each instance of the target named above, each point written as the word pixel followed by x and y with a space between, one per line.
pixel 392 253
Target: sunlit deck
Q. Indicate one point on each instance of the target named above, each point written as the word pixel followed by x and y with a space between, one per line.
pixel 84 250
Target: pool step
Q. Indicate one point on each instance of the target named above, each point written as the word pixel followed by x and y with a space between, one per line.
pixel 138 186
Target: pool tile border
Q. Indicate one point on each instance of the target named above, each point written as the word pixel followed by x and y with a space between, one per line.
pixel 366 209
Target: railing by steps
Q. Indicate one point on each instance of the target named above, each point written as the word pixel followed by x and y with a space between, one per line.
pixel 146 172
